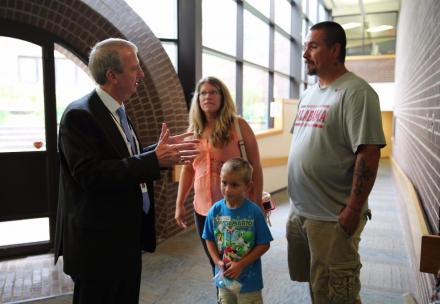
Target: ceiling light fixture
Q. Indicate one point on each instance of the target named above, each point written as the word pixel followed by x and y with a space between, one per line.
pixel 350 25
pixel 379 28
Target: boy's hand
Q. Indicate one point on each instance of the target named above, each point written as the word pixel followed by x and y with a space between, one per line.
pixel 220 264
pixel 234 270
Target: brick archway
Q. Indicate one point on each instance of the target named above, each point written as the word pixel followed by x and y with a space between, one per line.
pixel 79 24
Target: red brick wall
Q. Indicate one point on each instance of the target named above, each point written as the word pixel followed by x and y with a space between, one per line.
pixel 417 111
pixel 79 25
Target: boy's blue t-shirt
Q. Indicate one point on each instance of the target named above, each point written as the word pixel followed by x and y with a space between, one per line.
pixel 236 232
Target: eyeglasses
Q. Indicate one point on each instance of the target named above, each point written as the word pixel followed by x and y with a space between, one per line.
pixel 205 93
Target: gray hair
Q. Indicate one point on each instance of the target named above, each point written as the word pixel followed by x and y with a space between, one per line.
pixel 105 55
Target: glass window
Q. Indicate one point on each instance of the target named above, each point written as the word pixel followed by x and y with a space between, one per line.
pixel 222 68
pixel 282 14
pixel 313 11
pixel 381 25
pixel 379 37
pixel 322 13
pixel 263 6
pixel 71 79
pixel 219 23
pixel 219 32
pixel 256 40
pixel 304 6
pixel 282 53
pixel 65 70
pixel 160 16
pixel 29 69
pixel 255 97
pixel 171 49
pixel 304 70
pixel 352 26
pixel 22 126
pixel 281 87
pixel 305 30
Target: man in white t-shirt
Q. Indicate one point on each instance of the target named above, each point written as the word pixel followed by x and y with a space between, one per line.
pixel 333 161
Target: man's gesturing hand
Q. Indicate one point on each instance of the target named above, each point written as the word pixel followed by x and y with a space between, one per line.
pixel 172 150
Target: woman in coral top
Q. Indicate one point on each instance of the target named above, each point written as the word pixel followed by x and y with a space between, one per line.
pixel 211 119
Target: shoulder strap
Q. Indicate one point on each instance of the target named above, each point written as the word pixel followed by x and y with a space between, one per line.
pixel 241 144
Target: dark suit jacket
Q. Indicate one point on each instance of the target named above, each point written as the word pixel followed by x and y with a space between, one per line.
pixel 101 227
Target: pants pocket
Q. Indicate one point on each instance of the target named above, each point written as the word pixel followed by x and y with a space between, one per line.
pixel 344 283
pixel 342 230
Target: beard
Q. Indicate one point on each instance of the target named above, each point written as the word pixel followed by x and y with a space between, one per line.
pixel 311 70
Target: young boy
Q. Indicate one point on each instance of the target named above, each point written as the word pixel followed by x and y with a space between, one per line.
pixel 237 235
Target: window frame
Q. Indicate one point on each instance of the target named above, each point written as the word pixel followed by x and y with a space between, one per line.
pixel 270 69
pixel 47 42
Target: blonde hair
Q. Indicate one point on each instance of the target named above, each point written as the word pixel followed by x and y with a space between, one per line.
pixel 221 134
pixel 238 165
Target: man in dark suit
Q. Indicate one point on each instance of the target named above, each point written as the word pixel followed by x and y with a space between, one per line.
pixel 106 201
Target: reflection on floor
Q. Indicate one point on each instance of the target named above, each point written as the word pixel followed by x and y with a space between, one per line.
pixel 179 273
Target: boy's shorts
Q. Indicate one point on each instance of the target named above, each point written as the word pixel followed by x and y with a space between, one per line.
pixel 227 297
pixel 322 253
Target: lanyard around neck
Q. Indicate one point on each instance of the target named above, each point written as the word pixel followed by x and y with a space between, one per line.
pixel 121 130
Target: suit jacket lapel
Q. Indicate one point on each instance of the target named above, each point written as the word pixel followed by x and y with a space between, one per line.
pixel 108 124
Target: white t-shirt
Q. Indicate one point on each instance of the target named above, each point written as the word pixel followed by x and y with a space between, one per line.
pixel 330 125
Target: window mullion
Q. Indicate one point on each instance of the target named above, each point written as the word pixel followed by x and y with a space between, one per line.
pixel 239 59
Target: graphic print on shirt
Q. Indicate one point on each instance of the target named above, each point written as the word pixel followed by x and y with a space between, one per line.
pixel 234 237
pixel 311 115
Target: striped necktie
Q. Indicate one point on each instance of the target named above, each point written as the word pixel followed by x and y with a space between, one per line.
pixel 124 122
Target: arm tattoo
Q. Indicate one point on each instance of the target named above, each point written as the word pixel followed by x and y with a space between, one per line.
pixel 363 174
